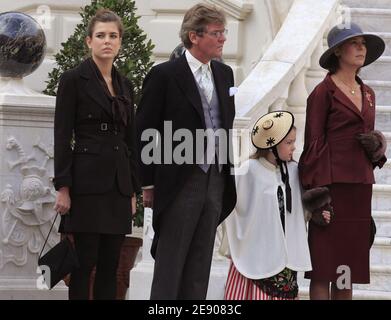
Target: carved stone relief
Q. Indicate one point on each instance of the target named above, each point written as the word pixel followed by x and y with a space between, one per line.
pixel 28 207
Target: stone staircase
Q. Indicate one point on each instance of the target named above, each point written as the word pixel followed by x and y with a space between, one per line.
pixel 374 16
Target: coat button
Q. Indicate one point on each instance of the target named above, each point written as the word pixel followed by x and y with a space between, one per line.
pixel 116 148
pixel 85 149
pixel 90 116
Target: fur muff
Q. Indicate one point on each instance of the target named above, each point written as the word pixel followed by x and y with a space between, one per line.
pixel 316 198
pixel 316 201
pixel 374 144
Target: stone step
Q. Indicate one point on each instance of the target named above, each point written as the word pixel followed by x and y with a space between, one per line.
pixel 380 4
pixel 383 175
pixel 371 295
pixel 372 19
pixel 382 91
pixel 383 223
pixel 357 294
pixel 380 280
pixel 383 118
pixel 387 135
pixel 379 70
pixel 381 252
pixel 381 198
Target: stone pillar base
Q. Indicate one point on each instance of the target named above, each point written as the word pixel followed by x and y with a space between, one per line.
pixel 26 289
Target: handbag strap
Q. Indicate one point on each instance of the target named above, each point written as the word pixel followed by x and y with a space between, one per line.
pixel 46 240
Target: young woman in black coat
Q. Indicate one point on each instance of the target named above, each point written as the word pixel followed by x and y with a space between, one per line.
pixel 95 159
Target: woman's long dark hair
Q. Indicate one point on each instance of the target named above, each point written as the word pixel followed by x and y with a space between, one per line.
pixel 333 64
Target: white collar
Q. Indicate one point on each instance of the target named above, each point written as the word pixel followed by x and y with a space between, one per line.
pixel 193 62
pixel 267 164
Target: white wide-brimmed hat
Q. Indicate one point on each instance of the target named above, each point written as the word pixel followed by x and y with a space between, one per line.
pixel 271 129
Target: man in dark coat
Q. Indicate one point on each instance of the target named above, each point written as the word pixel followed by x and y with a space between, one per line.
pixel 189 199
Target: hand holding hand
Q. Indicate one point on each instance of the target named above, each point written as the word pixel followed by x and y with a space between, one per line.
pixel 317 202
pixel 326 216
pixel 323 216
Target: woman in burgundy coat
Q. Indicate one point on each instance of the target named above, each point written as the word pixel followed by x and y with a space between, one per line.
pixel 341 149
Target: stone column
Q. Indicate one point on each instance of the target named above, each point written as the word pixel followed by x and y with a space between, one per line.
pixel 315 72
pixel 26 192
pixel 297 101
pixel 141 275
pixel 27 195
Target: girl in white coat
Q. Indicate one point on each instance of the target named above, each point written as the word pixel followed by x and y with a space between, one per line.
pixel 267 232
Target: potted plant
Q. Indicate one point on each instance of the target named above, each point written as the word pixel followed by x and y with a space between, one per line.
pixel 134 62
pixel 134 59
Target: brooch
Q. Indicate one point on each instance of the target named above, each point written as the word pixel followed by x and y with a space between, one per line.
pixel 369 98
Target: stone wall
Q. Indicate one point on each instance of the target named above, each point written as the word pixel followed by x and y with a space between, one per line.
pixel 252 26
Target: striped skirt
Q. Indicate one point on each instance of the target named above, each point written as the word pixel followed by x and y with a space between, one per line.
pixel 238 287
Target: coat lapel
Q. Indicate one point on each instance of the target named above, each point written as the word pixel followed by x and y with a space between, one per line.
pixel 342 98
pixel 186 82
pixel 94 89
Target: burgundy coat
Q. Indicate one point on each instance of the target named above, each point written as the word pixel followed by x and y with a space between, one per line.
pixel 332 154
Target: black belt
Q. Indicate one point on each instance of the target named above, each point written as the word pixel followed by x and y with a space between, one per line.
pixel 102 126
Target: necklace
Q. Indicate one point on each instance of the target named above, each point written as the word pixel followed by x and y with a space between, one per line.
pixel 351 90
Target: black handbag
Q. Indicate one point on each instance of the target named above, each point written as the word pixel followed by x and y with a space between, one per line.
pixel 58 261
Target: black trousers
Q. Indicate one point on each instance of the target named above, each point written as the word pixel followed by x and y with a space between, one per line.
pixel 187 234
pixel 102 251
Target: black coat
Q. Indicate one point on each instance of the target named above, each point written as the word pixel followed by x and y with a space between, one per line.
pixel 170 93
pixel 102 155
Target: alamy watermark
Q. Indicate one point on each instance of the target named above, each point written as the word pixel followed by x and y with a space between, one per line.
pixel 44 17
pixel 344 19
pixel 344 281
pixel 45 277
pixel 208 146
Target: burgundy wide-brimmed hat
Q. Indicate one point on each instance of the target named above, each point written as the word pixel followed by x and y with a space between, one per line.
pixel 338 35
